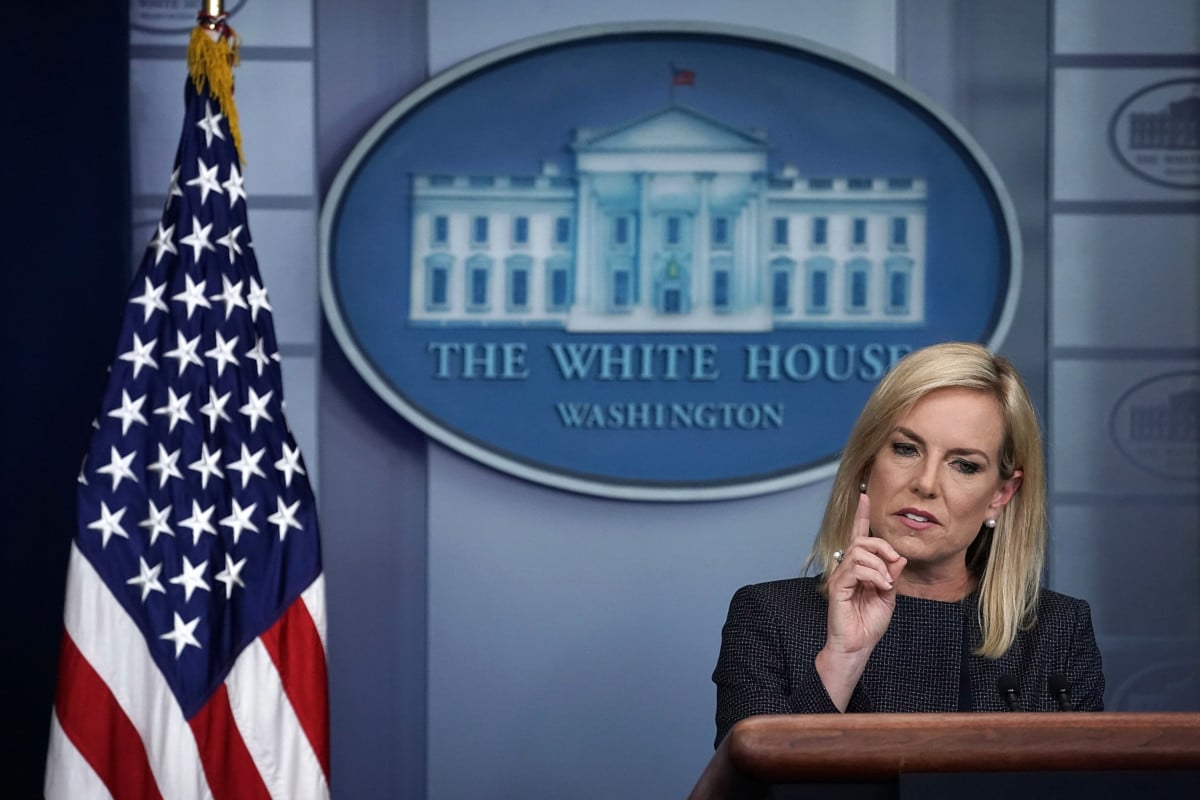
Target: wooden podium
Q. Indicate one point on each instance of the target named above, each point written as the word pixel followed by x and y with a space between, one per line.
pixel 774 756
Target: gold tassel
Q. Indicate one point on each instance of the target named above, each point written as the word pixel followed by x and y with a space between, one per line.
pixel 212 61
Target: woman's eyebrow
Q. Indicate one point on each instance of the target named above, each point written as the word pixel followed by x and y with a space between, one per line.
pixel 916 437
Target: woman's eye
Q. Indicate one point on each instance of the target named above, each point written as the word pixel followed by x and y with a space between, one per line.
pixel 966 467
pixel 904 449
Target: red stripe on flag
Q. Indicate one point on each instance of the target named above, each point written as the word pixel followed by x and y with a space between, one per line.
pixel 295 648
pixel 95 723
pixel 228 765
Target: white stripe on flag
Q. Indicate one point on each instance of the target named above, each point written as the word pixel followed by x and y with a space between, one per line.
pixel 113 645
pixel 72 778
pixel 270 728
pixel 314 598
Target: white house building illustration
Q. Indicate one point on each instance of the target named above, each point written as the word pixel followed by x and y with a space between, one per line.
pixel 669 223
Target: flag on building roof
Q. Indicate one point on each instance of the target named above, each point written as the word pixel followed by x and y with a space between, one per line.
pixel 192 662
pixel 682 77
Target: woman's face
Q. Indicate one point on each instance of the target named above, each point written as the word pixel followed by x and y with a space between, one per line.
pixel 937 478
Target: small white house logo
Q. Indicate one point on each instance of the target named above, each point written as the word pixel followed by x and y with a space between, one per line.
pixel 660 262
pixel 1166 686
pixel 1157 425
pixel 171 16
pixel 1155 133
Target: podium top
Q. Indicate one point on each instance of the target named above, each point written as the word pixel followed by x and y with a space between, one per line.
pixel 778 748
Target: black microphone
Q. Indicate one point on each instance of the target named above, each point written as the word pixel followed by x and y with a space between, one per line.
pixel 1010 691
pixel 1060 690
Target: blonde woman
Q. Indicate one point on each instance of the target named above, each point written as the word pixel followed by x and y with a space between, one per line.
pixel 930 554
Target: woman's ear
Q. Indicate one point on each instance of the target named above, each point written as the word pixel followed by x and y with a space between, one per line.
pixel 1006 491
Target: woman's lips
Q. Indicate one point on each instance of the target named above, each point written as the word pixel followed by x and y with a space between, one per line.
pixel 916 518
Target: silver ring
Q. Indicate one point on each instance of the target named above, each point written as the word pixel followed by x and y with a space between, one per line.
pixel 838 555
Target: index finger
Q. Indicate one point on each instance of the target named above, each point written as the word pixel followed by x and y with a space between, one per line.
pixel 862 518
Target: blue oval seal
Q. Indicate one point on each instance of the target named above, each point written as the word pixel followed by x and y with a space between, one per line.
pixel 1156 424
pixel 659 262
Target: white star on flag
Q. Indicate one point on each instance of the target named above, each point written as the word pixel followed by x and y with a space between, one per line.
pixel 222 352
pixel 151 300
pixel 166 466
pixel 176 409
pixel 214 409
pixel 206 180
pixel 147 578
pixel 129 412
pixel 118 468
pixel 109 524
pixel 156 521
pixel 239 520
pixel 211 125
pixel 231 296
pixel 256 408
pixel 231 575
pixel 191 578
pixel 185 351
pixel 182 634
pixel 198 522
pixel 162 242
pixel 198 241
pixel 248 464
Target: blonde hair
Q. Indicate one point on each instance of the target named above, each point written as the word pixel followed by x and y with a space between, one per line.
pixel 1008 559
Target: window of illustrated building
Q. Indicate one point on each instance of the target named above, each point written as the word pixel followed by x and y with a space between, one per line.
pixel 722 284
pixel 721 238
pixel 898 275
pixel 818 273
pixel 779 231
pixel 562 231
pixel 520 230
pixel 441 229
pixel 820 231
pixel 674 230
pixel 898 233
pixel 622 292
pixel 479 230
pixel 859 184
pixel 479 270
pixel 621 288
pixel 781 285
pixel 622 236
pixel 559 294
pixel 858 232
pixel 437 282
pixel 858 275
pixel 517 269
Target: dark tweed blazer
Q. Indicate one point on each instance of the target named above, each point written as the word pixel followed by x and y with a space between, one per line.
pixel 774 631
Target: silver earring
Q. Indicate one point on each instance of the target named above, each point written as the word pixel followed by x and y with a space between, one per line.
pixel 862 487
pixel 990 522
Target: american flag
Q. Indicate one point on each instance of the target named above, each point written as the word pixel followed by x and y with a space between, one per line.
pixel 682 77
pixel 192 662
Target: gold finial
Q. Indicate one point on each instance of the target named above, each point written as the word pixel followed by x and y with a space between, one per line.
pixel 212 55
pixel 212 14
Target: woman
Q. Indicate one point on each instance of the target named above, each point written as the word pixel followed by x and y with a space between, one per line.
pixel 930 552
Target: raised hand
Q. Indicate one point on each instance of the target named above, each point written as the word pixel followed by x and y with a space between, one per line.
pixel 862 596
